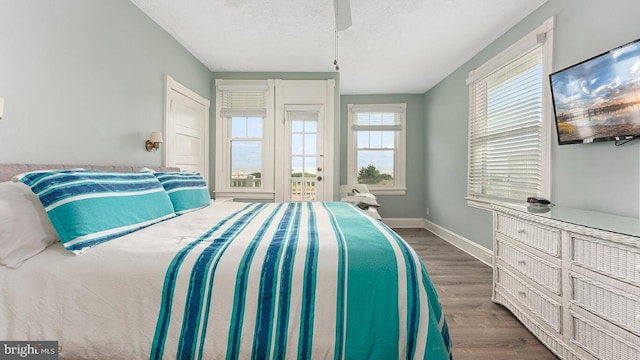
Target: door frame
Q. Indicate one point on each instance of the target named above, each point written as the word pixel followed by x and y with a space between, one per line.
pixel 320 110
pixel 168 154
pixel 323 94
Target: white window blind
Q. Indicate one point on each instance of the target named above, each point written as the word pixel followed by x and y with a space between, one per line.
pixel 376 119
pixel 506 130
pixel 244 103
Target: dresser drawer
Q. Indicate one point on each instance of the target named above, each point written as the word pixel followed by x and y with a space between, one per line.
pixel 542 306
pixel 601 342
pixel 541 271
pixel 608 302
pixel 605 257
pixel 538 236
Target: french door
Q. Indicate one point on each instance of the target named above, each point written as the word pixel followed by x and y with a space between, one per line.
pixel 304 159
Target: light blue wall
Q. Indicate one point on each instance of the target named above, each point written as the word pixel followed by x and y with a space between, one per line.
pixel 410 205
pixel 597 177
pixel 283 76
pixel 84 81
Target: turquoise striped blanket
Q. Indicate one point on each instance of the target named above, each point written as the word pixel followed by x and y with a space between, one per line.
pixel 299 281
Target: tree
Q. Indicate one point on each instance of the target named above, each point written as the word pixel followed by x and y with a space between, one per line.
pixel 302 174
pixel 368 175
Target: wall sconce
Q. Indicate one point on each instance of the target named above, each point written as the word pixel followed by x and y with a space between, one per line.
pixel 154 141
pixel 1 107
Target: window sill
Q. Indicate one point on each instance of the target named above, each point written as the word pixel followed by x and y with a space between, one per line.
pixel 388 191
pixel 245 195
pixel 484 203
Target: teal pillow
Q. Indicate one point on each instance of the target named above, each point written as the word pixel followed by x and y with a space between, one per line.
pixel 87 208
pixel 187 190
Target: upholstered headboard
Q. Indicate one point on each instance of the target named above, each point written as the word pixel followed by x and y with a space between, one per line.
pixel 7 171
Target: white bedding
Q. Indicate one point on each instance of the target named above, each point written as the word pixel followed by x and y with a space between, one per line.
pixel 300 280
pixel 52 292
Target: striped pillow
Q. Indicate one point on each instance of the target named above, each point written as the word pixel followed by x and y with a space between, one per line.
pixel 87 208
pixel 187 190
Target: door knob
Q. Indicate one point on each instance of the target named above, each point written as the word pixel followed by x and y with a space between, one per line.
pixel 319 178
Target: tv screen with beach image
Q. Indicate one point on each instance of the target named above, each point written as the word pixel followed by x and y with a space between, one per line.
pixel 599 99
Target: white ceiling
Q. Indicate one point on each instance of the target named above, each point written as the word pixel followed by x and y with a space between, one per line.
pixel 393 46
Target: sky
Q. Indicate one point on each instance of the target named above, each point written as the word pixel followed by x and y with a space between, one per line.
pixel 594 82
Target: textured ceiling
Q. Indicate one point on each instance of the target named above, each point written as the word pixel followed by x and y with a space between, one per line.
pixel 393 46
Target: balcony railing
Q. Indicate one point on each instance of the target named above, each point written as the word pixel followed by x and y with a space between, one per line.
pixel 245 181
pixel 303 189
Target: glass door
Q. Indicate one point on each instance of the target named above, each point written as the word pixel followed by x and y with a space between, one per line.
pixel 305 158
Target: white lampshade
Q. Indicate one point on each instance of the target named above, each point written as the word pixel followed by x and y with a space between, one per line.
pixel 1 107
pixel 156 137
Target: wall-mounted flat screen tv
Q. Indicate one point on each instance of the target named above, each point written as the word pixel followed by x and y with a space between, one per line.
pixel 599 99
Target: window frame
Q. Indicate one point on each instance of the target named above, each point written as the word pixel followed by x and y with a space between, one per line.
pixel 542 35
pixel 400 144
pixel 224 136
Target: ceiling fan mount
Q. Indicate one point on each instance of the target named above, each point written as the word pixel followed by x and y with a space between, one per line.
pixel 342 10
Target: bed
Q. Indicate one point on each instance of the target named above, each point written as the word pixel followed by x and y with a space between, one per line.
pixel 316 280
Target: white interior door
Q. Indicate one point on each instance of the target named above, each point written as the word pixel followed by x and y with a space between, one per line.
pixel 304 109
pixel 304 178
pixel 187 130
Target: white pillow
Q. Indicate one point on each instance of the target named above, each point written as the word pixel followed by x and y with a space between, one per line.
pixel 25 228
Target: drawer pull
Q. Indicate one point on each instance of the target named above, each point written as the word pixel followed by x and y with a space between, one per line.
pixel 522 262
pixel 522 231
pixel 522 293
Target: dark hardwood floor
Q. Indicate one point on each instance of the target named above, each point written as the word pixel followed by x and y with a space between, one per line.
pixel 479 328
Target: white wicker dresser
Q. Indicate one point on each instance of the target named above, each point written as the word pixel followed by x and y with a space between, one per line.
pixel 572 278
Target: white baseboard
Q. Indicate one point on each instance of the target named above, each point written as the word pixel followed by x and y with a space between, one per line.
pixel 404 223
pixel 479 252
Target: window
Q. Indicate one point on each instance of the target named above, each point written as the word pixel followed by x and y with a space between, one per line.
pixel 246 151
pixel 376 147
pixel 509 115
pixel 245 159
